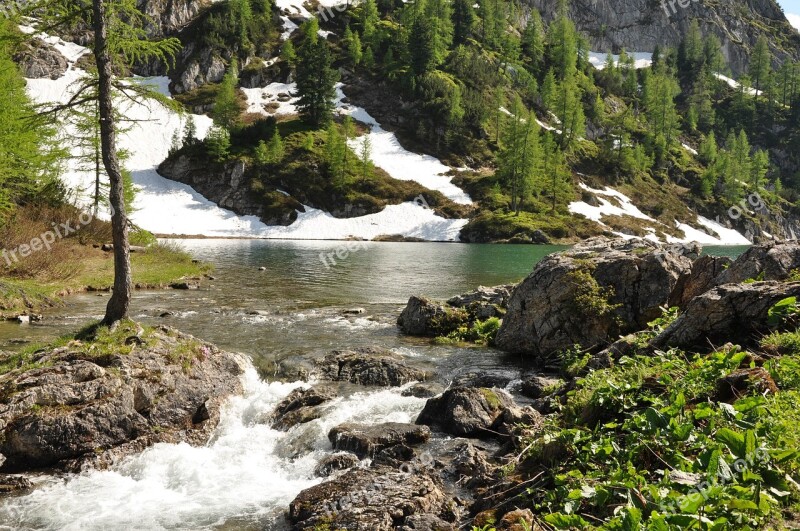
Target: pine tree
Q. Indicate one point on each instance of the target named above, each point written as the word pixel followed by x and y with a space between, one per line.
pixel 369 22
pixel 690 53
pixel 533 40
pixel 190 132
pixel 548 90
pixel 439 13
pixel 519 159
pixel 29 151
pixel 226 105
pixel 353 43
pixel 708 149
pixel 288 53
pixel 423 51
pixel 759 168
pixel 463 21
pixel 569 110
pixel 218 143
pixel 335 153
pixel 661 89
pixel 760 63
pixel 365 160
pixel 316 77
pixel 120 34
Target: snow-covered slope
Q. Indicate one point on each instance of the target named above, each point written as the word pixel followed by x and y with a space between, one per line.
pixel 614 203
pixel 641 59
pixel 167 207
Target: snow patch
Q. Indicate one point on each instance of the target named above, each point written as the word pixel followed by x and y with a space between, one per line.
pixel 168 207
pixel 735 84
pixel 388 154
pixel 607 208
pixel 641 59
pixel 689 148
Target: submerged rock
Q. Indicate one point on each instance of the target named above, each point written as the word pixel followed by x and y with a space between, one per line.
pixel 375 499
pixel 300 407
pixel 591 294
pixel 367 366
pixel 74 406
pixel 367 440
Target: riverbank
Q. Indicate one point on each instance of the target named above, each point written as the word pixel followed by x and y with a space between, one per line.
pixel 41 262
pixel 249 473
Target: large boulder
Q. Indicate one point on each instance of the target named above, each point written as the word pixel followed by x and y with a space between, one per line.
pixel 300 407
pixel 700 278
pixel 424 317
pixel 466 411
pixel 375 499
pixel 763 262
pixel 366 440
pixel 77 405
pixel 591 294
pixel 728 313
pixel 367 366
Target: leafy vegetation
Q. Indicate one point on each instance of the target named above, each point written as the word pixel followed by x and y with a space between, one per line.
pixel 662 441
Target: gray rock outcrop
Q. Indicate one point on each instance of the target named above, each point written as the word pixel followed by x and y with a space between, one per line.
pixel 366 440
pixel 591 294
pixel 466 411
pixel 75 408
pixel 38 60
pixel 728 313
pixel 641 25
pixel 378 499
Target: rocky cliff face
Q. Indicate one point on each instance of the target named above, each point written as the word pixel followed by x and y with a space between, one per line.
pixel 227 185
pixel 641 25
pixel 171 15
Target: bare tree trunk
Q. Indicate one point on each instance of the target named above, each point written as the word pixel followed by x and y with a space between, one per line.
pixel 117 308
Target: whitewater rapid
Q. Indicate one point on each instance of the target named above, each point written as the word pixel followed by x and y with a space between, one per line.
pixel 244 478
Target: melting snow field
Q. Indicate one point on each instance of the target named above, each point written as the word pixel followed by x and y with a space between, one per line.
pixel 247 469
pixel 168 207
pixel 641 59
pixel 622 206
pixel 388 154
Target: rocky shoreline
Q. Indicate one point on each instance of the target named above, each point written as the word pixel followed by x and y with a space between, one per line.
pixel 88 403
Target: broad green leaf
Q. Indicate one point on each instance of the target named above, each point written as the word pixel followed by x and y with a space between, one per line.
pixel 632 519
pixel 734 441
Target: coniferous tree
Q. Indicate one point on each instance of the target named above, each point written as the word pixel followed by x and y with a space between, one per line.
pixel 519 159
pixel 218 143
pixel 316 77
pixel 463 21
pixel 760 63
pixel 226 105
pixel 120 37
pixel 29 151
pixel 439 13
pixel 533 38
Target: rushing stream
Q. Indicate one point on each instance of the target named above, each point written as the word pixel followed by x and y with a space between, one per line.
pixel 248 473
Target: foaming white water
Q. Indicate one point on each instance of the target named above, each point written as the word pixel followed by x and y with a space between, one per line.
pixel 245 476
